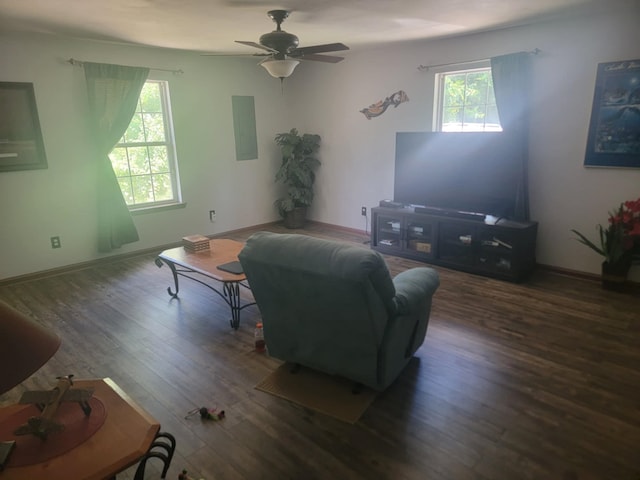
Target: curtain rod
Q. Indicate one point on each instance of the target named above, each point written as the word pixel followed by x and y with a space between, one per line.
pixel 80 63
pixel 424 68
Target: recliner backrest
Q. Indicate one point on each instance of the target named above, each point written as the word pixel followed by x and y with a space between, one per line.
pixel 325 301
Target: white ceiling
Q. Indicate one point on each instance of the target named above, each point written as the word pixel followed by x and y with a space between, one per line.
pixel 213 25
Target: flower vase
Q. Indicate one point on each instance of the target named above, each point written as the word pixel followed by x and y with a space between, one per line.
pixel 614 275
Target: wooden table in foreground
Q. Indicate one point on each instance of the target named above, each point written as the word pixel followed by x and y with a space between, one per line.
pixel 124 438
pixel 205 263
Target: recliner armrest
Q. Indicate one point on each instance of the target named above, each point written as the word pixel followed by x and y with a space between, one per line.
pixel 413 285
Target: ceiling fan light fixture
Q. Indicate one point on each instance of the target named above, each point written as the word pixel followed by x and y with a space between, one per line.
pixel 280 68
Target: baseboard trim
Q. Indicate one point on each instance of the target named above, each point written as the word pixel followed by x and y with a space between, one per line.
pixel 355 231
pixel 114 258
pixel 124 256
pixel 568 272
pixel 52 272
pixel 594 277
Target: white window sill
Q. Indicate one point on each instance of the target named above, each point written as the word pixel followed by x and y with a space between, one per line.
pixel 157 208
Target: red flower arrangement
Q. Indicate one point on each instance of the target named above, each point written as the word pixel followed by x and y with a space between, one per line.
pixel 620 241
pixel 631 217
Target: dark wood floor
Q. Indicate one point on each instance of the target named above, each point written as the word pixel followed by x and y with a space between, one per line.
pixel 539 380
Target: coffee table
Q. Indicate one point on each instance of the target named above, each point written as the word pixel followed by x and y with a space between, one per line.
pixel 123 439
pixel 205 264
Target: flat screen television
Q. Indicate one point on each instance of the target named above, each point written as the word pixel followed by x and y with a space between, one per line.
pixel 475 172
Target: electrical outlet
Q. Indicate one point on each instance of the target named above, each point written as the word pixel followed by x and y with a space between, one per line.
pixel 55 242
pixel 364 211
pixel 212 216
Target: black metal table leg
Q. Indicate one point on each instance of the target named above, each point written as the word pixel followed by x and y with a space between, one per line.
pixel 232 292
pixel 172 266
pixel 230 289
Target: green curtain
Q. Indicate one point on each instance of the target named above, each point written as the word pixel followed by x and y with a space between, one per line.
pixel 113 95
pixel 511 83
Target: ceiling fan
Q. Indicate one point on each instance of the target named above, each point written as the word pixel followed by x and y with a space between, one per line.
pixel 283 52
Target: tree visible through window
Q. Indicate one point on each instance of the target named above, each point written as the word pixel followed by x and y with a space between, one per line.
pixel 466 101
pixel 144 159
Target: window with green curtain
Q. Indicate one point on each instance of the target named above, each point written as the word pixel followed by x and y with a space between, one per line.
pixel 144 159
pixel 113 92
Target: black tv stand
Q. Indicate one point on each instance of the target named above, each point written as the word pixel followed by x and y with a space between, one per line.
pixel 488 246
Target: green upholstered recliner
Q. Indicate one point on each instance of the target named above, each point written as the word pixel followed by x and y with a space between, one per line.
pixel 334 307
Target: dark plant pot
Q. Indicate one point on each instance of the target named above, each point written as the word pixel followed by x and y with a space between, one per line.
pixel 614 275
pixel 296 218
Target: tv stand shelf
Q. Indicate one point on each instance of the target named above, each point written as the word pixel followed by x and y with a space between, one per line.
pixel 504 249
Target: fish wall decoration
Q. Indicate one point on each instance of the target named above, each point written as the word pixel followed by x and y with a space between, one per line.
pixel 378 108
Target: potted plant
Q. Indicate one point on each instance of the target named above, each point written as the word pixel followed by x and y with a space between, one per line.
pixel 619 243
pixel 297 172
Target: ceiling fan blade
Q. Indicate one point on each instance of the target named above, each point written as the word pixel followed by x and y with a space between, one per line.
pixel 236 54
pixel 329 47
pixel 320 58
pixel 257 45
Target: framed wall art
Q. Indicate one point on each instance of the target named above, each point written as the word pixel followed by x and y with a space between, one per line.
pixel 614 130
pixel 21 146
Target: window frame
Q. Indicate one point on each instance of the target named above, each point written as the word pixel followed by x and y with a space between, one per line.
pixel 439 83
pixel 170 145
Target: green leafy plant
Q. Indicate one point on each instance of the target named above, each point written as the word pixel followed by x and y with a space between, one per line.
pixel 620 240
pixel 297 170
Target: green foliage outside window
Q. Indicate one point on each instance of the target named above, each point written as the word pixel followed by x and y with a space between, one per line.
pixel 468 102
pixel 141 159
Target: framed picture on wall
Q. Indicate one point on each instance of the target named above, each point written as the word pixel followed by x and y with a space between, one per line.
pixel 614 130
pixel 21 146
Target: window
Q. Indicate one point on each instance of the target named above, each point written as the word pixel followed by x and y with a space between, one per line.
pixel 466 102
pixel 144 160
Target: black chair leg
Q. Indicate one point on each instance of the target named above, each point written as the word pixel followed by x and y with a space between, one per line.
pixel 163 441
pixel 169 445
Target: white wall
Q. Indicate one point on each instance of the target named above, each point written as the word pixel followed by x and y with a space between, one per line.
pixel 358 154
pixel 60 200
